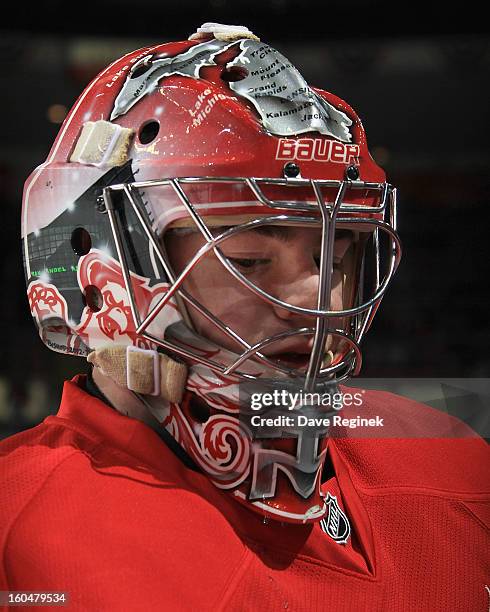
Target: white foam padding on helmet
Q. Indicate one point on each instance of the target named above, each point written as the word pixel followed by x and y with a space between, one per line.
pixel 102 143
pixel 143 371
pixel 221 31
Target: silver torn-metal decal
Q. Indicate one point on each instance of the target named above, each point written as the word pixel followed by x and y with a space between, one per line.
pixel 285 102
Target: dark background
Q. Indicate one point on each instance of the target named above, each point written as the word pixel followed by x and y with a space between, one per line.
pixel 418 77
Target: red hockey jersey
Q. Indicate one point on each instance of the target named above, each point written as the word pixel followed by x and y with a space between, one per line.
pixel 95 504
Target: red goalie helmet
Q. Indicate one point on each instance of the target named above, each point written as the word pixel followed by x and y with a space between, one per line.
pixel 216 137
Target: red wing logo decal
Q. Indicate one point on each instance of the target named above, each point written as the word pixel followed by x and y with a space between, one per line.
pixel 113 321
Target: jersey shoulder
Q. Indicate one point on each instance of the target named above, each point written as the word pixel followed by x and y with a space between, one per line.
pixel 28 458
pixel 410 445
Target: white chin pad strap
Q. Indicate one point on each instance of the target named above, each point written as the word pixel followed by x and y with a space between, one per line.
pixel 143 371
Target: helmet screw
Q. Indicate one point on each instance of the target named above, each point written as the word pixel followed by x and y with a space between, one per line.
pixel 352 173
pixel 291 170
pixel 100 204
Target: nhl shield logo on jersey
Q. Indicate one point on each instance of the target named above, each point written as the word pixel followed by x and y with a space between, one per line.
pixel 336 525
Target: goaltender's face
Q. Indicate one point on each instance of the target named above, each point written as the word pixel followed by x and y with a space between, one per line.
pixel 281 260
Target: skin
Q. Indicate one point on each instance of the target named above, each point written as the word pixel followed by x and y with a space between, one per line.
pixel 281 260
pixel 122 399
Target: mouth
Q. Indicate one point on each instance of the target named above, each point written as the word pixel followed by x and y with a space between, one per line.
pixel 301 361
pixel 297 361
pixel 297 355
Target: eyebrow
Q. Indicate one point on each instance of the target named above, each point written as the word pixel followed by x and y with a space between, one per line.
pixel 280 232
pixel 284 233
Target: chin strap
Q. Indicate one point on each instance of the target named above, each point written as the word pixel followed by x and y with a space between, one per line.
pixel 143 371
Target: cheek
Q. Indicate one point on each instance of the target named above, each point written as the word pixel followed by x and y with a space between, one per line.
pixel 337 290
pixel 221 294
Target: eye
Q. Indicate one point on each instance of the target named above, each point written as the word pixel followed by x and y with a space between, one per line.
pixel 247 263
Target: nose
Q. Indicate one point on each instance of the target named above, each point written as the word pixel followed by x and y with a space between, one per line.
pixel 303 293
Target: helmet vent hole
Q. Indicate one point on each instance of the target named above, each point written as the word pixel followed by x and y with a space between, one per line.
pixel 234 73
pixel 148 132
pixel 140 69
pixel 81 242
pixel 199 410
pixel 92 297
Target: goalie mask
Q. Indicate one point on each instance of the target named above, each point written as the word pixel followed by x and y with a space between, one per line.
pixel 208 227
